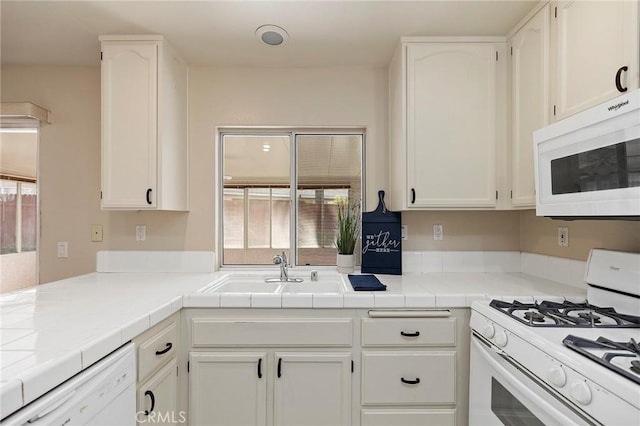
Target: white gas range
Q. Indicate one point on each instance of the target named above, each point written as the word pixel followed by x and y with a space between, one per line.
pixel 561 362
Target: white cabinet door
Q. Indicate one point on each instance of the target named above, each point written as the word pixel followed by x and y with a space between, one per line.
pixel 158 398
pixel 312 389
pixel 129 124
pixel 227 388
pixel 594 40
pixel 529 102
pixel 451 125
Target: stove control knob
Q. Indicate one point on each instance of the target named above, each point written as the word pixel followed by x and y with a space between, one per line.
pixel 557 376
pixel 501 339
pixel 580 392
pixel 488 331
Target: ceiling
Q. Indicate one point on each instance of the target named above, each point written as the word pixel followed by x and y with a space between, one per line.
pixel 221 33
pixel 322 159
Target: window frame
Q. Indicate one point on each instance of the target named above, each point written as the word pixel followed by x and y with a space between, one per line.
pixel 292 133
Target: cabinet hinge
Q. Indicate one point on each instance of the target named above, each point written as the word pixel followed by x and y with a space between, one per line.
pixel 352 366
pixel 496 55
pixel 555 12
pixel 554 110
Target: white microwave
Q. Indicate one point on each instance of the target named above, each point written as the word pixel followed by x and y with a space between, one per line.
pixel 587 166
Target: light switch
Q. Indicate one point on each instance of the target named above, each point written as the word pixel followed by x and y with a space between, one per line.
pixel 63 249
pixel 141 232
pixel 96 233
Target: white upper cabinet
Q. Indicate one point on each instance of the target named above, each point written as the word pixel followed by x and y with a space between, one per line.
pixel 144 125
pixel 446 105
pixel 596 50
pixel 529 102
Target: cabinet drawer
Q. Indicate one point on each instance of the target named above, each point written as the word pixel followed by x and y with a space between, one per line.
pixel 408 417
pixel 409 332
pixel 156 350
pixel 414 378
pixel 269 332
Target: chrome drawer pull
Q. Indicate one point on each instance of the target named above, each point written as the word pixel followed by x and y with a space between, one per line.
pixel 410 382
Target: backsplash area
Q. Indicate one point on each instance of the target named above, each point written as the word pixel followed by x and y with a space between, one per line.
pixel 566 271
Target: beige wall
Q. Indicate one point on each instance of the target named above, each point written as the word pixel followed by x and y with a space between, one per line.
pixel 70 148
pixel 463 231
pixel 69 156
pixel 70 164
pixel 540 235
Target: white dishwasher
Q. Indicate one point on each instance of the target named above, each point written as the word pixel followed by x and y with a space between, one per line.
pixel 102 395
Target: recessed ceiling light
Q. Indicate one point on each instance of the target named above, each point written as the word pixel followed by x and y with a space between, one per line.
pixel 272 35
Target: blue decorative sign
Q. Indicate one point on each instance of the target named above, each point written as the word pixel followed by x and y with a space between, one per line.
pixel 382 240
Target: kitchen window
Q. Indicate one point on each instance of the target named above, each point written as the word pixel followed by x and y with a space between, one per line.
pixel 261 216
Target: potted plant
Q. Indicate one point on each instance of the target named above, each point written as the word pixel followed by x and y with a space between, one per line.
pixel 347 237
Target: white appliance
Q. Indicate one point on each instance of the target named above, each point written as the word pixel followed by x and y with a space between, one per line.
pixel 588 165
pixel 102 395
pixel 561 362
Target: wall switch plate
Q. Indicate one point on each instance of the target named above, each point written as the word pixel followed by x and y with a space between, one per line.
pixel 563 236
pixel 437 233
pixel 63 249
pixel 404 233
pixel 96 233
pixel 141 232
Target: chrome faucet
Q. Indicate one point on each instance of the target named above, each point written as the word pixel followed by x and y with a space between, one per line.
pixel 281 259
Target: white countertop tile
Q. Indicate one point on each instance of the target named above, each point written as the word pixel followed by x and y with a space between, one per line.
pixel 10 397
pixel 50 332
pixel 297 300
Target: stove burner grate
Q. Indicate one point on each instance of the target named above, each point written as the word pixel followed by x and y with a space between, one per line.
pixel 534 316
pixel 617 349
pixel 565 314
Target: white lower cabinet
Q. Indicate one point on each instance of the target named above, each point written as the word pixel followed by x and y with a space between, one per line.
pixel 408 417
pixel 158 397
pixel 312 389
pixel 227 388
pixel 408 378
pixel 313 367
pixel 158 374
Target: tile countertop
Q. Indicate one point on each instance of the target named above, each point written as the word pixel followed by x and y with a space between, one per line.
pixel 51 332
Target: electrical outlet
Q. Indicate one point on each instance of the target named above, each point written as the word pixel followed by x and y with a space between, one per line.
pixel 63 249
pixel 563 236
pixel 141 232
pixel 404 233
pixel 96 233
pixel 438 233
